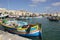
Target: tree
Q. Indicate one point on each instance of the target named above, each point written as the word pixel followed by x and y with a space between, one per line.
pixel 5 12
pixel 11 13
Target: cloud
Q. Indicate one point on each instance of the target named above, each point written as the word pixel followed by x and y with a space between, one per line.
pixel 32 5
pixel 48 7
pixel 37 1
pixel 56 4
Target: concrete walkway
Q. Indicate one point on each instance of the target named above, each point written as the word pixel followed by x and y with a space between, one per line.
pixel 8 36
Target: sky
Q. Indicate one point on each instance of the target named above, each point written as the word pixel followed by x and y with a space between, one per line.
pixel 36 6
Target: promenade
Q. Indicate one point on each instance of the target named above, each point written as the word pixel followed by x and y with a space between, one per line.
pixel 9 36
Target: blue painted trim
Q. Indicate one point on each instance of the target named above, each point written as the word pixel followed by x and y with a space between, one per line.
pixel 27 35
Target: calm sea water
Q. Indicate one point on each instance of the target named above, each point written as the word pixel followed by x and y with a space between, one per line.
pixel 50 30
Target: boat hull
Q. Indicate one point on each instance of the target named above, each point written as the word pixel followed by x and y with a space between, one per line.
pixel 33 35
pixel 53 20
pixel 14 31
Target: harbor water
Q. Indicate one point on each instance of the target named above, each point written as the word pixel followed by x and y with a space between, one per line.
pixel 50 30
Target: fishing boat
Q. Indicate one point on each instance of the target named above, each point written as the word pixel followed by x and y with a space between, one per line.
pixel 53 18
pixel 22 18
pixel 2 16
pixel 23 28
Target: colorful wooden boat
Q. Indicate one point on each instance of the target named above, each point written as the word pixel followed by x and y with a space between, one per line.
pixel 25 30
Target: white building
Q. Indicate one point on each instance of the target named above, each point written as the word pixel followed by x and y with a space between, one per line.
pixel 3 10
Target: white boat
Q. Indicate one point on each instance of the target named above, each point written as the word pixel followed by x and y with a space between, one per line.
pixel 3 15
pixel 23 18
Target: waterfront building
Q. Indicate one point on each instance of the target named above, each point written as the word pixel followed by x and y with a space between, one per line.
pixel 3 10
pixel 17 13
